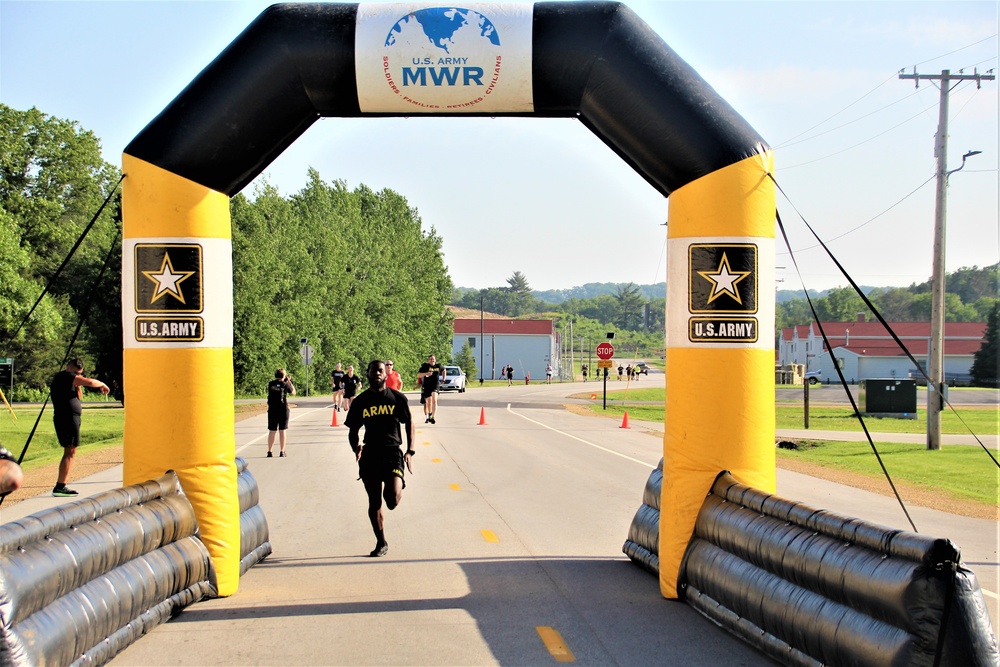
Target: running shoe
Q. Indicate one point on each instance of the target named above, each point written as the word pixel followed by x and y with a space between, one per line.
pixel 379 550
pixel 64 492
pixel 269 455
pixel 428 420
pixel 281 455
pixel 432 420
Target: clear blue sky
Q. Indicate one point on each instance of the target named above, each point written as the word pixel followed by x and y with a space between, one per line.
pixel 818 80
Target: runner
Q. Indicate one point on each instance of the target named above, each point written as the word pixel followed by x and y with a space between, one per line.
pixel 429 375
pixel 380 462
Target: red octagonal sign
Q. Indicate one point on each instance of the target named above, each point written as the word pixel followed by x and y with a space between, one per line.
pixel 605 351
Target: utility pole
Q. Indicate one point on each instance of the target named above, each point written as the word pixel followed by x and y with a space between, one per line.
pixel 935 355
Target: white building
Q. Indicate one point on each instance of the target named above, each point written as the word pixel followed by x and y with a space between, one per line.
pixel 866 350
pixel 527 345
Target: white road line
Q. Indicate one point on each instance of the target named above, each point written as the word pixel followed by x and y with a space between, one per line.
pixel 298 415
pixel 989 594
pixel 586 442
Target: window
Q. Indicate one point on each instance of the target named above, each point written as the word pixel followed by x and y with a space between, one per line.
pixel 472 342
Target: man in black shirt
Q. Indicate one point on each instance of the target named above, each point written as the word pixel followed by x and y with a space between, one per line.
pixel 338 391
pixel 429 374
pixel 67 408
pixel 349 387
pixel 381 411
pixel 278 390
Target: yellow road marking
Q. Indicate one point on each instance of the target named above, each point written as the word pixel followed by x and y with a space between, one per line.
pixel 435 460
pixel 554 643
pixel 454 487
pixel 489 536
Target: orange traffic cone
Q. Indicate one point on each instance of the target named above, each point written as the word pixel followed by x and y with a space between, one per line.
pixel 482 417
pixel 333 422
pixel 593 396
pixel 625 421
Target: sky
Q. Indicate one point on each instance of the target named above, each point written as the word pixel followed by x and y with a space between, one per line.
pixel 853 143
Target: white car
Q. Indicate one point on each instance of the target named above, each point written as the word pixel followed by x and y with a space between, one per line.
pixel 813 377
pixel 454 378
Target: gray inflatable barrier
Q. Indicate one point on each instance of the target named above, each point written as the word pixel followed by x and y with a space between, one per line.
pixel 810 587
pixel 82 581
pixel 254 538
pixel 643 543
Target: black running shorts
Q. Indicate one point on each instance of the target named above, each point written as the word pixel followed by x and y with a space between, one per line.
pixel 277 420
pixel 68 430
pixel 381 463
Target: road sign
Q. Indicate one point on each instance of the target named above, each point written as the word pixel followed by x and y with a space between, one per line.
pixel 307 354
pixel 604 363
pixel 605 350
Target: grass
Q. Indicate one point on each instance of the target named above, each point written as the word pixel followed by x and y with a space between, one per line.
pixel 980 420
pixel 965 473
pixel 102 427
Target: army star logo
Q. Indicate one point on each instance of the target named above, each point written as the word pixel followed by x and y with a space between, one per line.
pixel 167 280
pixel 724 280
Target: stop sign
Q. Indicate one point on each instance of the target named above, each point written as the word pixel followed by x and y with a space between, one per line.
pixel 605 351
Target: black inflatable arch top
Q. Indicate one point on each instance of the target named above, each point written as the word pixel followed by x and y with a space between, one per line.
pixel 596 61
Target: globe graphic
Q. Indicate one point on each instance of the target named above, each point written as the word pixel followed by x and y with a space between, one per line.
pixel 444 27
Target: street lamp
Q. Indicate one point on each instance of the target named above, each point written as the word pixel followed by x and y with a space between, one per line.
pixel 964 158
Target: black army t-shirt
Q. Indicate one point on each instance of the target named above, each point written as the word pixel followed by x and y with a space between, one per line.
pixel 381 413
pixel 430 383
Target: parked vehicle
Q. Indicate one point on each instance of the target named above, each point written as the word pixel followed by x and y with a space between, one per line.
pixel 812 377
pixel 641 367
pixel 454 378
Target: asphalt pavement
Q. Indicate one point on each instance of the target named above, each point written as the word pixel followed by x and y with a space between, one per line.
pixel 506 549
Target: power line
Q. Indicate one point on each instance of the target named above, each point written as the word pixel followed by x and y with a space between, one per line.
pixel 861 143
pixel 850 122
pixel 870 220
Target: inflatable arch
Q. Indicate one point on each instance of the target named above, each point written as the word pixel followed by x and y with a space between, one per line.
pixel 594 61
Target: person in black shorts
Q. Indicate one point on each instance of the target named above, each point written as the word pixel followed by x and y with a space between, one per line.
pixel 381 411
pixel 349 385
pixel 429 374
pixel 338 391
pixel 278 390
pixel 67 408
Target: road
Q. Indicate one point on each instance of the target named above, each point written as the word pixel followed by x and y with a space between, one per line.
pixel 506 529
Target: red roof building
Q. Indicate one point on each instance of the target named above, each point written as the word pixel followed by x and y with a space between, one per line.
pixel 527 345
pixel 867 350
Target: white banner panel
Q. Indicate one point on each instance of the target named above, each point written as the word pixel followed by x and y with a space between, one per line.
pixel 177 292
pixel 423 58
pixel 720 292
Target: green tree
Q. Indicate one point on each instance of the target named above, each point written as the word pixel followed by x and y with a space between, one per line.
pixel 986 362
pixel 841 304
pixel 52 182
pixel 954 309
pixel 352 271
pixel 467 360
pixel 629 312
pixel 895 304
pixel 521 300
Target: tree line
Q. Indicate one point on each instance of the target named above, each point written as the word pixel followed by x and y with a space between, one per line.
pixel 639 321
pixel 353 271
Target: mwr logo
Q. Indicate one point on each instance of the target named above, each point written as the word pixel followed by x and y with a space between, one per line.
pixel 443 58
pixel 722 278
pixel 722 330
pixel 168 278
pixel 165 329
